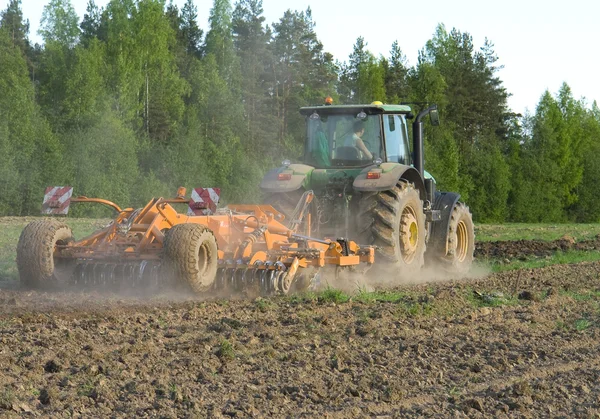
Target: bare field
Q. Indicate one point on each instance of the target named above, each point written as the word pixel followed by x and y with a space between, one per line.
pixel 521 343
pixel 545 232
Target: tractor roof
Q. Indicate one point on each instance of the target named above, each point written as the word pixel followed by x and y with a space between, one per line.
pixel 350 109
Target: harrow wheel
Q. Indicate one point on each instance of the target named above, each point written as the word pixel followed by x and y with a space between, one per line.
pixel 190 253
pixel 37 260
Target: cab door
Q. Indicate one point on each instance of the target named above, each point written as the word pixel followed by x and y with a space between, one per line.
pixel 396 139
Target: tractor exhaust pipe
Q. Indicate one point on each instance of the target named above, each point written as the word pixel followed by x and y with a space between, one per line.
pixel 418 136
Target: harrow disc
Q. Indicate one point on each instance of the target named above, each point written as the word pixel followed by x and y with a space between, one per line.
pixel 117 276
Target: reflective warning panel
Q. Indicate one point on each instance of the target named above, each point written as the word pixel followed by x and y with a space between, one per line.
pixel 57 200
pixel 204 201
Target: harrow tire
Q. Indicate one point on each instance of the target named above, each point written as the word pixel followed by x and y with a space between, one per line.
pixel 35 254
pixel 284 202
pixel 190 252
pixel 457 255
pixel 394 221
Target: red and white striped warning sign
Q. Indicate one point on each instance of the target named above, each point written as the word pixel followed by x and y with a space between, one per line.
pixel 57 200
pixel 204 201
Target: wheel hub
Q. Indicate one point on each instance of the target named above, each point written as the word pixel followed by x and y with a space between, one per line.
pixel 409 234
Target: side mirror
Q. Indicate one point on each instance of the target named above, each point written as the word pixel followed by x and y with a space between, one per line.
pixel 434 117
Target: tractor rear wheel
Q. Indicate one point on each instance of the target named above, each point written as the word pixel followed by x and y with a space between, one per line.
pixel 460 242
pixel 190 252
pixel 37 263
pixel 394 221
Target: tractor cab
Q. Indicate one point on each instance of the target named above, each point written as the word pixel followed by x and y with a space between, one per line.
pixel 354 136
pixel 369 182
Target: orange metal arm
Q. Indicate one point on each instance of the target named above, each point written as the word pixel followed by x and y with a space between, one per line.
pixel 97 200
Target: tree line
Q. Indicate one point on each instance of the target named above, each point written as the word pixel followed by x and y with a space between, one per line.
pixel 135 99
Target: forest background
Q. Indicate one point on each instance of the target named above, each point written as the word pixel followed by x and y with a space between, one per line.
pixel 135 99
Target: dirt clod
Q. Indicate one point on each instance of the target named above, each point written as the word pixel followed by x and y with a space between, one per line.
pixel 52 366
pixel 528 295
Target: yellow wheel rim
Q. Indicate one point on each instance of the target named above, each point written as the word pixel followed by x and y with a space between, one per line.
pixel 462 241
pixel 409 234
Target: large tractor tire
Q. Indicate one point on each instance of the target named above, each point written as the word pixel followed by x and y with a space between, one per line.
pixel 284 202
pixel 394 221
pixel 190 253
pixel 38 267
pixel 457 255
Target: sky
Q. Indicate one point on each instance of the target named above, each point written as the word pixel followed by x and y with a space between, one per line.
pixel 540 43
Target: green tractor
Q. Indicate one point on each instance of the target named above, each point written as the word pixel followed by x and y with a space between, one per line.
pixel 370 187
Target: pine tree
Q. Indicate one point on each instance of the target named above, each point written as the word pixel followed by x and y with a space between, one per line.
pixel 11 21
pixel 397 86
pixel 587 209
pixel 251 43
pixel 363 76
pixel 190 31
pixel 302 74
pixel 91 23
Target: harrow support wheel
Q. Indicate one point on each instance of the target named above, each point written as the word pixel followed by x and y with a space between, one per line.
pixel 37 263
pixel 460 242
pixel 394 221
pixel 190 253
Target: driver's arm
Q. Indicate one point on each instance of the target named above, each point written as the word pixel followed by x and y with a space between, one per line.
pixel 362 147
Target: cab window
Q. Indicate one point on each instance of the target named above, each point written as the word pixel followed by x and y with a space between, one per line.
pixel 396 141
pixel 343 141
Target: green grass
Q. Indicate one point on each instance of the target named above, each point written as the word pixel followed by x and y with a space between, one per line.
pixel 545 232
pixel 582 324
pixel 380 296
pixel 578 325
pixel 226 351
pixel 490 299
pixel 333 295
pixel 329 295
pixel 11 228
pixel 582 295
pixel 569 257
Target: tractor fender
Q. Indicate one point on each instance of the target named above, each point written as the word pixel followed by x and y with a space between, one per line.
pixel 444 202
pixel 299 177
pixel 390 174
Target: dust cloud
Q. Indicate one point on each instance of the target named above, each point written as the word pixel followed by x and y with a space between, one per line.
pixel 382 277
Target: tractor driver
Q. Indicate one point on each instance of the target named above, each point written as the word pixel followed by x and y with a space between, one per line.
pixel 356 140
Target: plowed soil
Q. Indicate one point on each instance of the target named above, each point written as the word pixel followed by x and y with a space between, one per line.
pixel 516 344
pixel 523 249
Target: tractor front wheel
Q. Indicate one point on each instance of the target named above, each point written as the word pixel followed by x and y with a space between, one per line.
pixel 460 242
pixel 37 261
pixel 190 253
pixel 394 221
